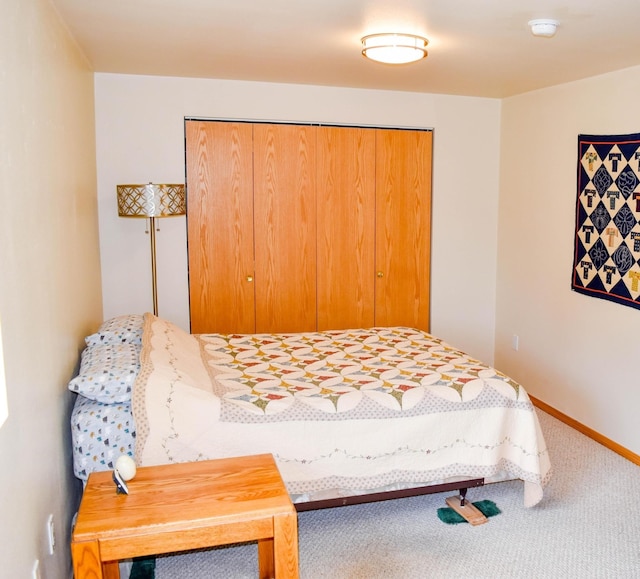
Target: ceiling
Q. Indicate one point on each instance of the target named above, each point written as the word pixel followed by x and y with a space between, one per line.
pixel 476 47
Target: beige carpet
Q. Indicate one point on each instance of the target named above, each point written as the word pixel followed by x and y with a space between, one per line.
pixel 587 526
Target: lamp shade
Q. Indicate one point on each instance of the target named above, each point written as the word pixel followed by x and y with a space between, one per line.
pixel 151 200
pixel 394 48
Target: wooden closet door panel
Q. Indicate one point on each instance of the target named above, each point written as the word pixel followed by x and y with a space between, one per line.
pixel 220 226
pixel 285 227
pixel 403 228
pixel 346 227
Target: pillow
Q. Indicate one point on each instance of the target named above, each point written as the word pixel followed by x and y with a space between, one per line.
pixel 107 372
pixel 120 330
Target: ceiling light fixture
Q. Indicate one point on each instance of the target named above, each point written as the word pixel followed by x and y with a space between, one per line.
pixel 543 27
pixel 394 48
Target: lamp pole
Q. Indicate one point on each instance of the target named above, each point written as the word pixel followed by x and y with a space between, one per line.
pixel 154 280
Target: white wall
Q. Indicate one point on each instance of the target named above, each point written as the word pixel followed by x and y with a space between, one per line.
pixel 50 294
pixel 577 353
pixel 140 138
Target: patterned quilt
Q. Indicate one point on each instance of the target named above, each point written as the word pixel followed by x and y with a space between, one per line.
pixel 346 375
pixel 357 409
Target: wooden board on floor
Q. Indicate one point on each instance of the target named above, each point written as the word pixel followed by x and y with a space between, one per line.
pixel 472 515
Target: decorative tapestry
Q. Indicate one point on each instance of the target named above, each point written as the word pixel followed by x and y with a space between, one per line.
pixel 606 260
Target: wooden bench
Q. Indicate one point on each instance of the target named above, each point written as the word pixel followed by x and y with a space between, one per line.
pixel 178 507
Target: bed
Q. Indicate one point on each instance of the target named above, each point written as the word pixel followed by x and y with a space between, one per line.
pixel 349 415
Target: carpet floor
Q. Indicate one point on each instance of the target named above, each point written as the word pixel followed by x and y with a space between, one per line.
pixel 586 527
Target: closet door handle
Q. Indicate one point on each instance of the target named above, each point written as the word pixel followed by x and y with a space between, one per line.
pixel 249 278
pixel 380 274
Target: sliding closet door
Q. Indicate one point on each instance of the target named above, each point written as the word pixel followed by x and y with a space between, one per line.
pixel 346 227
pixel 403 228
pixel 220 226
pixel 285 227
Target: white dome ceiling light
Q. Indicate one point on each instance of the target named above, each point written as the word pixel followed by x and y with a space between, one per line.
pixel 394 48
pixel 543 27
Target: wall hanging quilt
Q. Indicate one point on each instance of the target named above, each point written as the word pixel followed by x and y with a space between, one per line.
pixel 606 260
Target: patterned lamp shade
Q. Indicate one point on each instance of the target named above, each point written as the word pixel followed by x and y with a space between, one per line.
pixel 151 200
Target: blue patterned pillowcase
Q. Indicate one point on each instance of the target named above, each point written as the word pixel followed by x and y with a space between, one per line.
pixel 119 330
pixel 107 372
pixel 100 433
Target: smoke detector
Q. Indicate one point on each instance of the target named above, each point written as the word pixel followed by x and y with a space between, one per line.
pixel 543 27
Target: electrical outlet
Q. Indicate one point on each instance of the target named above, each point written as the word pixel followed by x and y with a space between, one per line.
pixel 515 342
pixel 51 535
pixel 35 572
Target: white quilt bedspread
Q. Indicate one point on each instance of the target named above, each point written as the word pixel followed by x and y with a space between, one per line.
pixel 357 409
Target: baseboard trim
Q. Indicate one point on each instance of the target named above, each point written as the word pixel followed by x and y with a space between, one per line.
pixel 603 440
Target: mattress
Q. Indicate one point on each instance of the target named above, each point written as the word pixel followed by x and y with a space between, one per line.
pixel 102 432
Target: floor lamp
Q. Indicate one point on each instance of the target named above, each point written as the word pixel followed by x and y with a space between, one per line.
pixel 151 201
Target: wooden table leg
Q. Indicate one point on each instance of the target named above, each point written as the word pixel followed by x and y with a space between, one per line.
pixel 111 570
pixel 278 556
pixel 285 545
pixel 266 563
pixel 87 564
pixel 86 560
